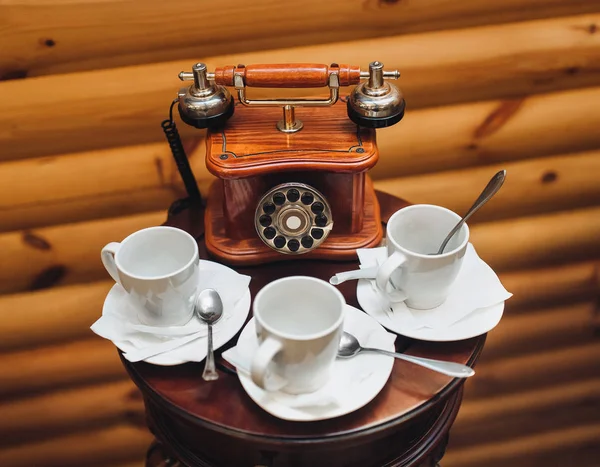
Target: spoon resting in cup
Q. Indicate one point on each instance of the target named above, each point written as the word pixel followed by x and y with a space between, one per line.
pixel 490 190
pixel 349 347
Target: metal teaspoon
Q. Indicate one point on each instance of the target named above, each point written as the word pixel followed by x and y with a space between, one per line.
pixel 209 308
pixel 349 347
pixel 490 190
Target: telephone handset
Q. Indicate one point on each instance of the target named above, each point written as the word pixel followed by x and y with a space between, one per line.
pixel 282 181
pixel 208 104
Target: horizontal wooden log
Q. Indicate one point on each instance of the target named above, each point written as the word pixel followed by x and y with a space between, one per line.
pixel 544 329
pixel 93 173
pixel 504 417
pixel 75 187
pixel 69 410
pixel 484 133
pixel 96 360
pixel 482 64
pixel 90 185
pixel 479 421
pixel 474 412
pixel 122 442
pixel 551 285
pixel 47 213
pixel 63 254
pixel 41 46
pixel 106 446
pixel 577 446
pixel 532 187
pixel 60 313
pixel 59 366
pixel 65 313
pixel 538 240
pixel 70 253
pixel 58 412
pixel 533 371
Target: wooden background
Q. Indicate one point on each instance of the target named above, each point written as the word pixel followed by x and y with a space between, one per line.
pixel 492 84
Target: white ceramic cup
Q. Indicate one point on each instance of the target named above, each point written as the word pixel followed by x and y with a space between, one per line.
pixel 414 272
pixel 159 268
pixel 299 322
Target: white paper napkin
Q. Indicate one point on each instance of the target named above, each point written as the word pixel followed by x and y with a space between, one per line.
pixel 476 286
pixel 120 322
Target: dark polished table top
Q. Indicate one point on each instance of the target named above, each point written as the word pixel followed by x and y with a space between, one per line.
pixel 223 406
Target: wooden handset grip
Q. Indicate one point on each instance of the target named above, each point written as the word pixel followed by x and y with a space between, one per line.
pixel 289 75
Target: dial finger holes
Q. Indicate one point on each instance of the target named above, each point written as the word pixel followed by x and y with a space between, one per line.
pixel 307 242
pixel 321 220
pixel 269 208
pixel 279 198
pixel 317 207
pixel 269 232
pixel 265 220
pixel 279 241
pixel 307 198
pixel 293 218
pixel 293 195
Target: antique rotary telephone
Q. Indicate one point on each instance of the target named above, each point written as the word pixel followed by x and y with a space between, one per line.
pixel 293 186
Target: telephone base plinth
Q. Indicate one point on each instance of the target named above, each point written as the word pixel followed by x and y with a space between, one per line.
pixel 252 251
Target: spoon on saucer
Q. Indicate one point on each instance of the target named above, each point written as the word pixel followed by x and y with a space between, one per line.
pixel 209 308
pixel 349 347
pixel 490 190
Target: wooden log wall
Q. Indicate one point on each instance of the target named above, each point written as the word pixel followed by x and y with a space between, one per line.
pixel 511 84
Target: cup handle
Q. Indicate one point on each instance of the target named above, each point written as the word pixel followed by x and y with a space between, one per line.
pixel 260 363
pixel 385 273
pixel 108 259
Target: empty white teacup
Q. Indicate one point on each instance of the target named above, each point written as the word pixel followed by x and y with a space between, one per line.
pixel 158 267
pixel 299 322
pixel 414 272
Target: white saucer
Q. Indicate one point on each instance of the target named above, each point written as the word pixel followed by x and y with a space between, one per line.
pixel 472 325
pixel 353 383
pixel 116 305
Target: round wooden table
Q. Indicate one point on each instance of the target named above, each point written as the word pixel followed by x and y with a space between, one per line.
pixel 216 424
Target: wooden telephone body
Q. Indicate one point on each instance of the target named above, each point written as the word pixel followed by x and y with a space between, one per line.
pixel 295 188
